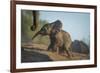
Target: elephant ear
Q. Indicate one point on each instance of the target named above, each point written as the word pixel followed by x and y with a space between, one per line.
pixel 57 27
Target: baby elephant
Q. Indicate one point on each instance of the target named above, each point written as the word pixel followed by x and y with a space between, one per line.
pixel 60 40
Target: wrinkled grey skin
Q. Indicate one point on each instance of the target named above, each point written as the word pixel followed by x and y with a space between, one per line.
pixel 60 40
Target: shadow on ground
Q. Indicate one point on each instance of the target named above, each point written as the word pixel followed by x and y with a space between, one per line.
pixel 33 56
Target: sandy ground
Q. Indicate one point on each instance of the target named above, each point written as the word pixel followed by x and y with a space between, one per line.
pixel 39 53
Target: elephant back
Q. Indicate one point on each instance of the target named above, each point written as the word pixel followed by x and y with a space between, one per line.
pixel 67 39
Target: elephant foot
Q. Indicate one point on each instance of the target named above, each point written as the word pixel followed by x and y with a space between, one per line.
pixel 70 57
pixel 50 49
pixel 68 53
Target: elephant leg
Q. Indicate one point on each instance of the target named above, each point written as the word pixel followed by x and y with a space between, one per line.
pixel 62 51
pixel 50 47
pixel 68 53
pixel 55 48
pixel 52 44
pixel 58 52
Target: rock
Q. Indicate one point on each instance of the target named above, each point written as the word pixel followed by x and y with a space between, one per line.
pixel 80 47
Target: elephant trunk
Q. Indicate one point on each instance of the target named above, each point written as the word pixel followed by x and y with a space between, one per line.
pixel 36 35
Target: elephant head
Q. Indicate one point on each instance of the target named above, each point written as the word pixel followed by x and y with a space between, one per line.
pixel 49 28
